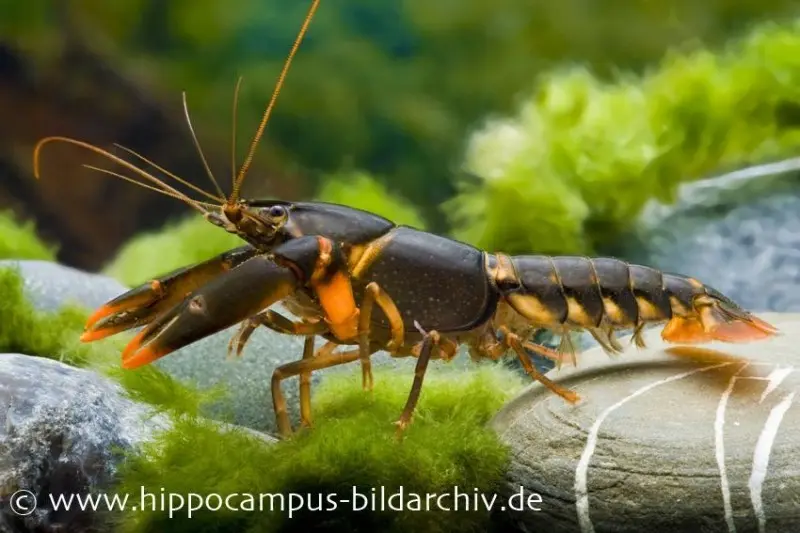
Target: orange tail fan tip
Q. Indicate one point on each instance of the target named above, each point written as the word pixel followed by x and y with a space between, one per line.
pixel 715 324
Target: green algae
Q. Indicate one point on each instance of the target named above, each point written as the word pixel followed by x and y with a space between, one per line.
pixel 352 444
pixel 572 170
pixel 20 241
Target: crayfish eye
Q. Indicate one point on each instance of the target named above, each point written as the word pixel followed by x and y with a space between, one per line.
pixel 277 212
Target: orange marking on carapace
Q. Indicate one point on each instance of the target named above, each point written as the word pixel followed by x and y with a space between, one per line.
pixel 323 259
pixel 337 300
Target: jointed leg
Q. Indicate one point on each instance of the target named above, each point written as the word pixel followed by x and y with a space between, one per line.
pixel 513 341
pixel 606 339
pixel 637 336
pixel 274 321
pixel 305 384
pixel 430 340
pixel 325 358
pixel 544 351
pixel 374 294
pixel 423 351
pixel 281 324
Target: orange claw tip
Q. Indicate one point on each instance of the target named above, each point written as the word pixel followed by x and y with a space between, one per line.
pixel 134 355
pixel 90 335
pixel 101 313
pixel 133 346
pixel 95 335
pixel 142 357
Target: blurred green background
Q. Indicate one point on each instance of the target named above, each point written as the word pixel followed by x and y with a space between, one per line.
pixel 521 125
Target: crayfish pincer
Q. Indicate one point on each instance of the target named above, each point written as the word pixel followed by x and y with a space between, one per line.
pixel 358 280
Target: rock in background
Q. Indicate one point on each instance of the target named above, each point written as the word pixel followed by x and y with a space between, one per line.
pixel 704 441
pixel 48 286
pixel 739 232
pixel 62 432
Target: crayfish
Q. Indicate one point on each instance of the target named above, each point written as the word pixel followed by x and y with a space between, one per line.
pixel 358 279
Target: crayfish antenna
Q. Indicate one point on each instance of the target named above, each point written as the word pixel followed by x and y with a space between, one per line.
pixel 233 127
pixel 237 182
pixel 140 157
pixel 199 148
pixel 159 185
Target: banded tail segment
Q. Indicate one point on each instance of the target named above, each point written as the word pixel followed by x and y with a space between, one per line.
pixel 605 294
pixel 586 293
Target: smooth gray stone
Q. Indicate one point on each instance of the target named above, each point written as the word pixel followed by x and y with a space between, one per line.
pixel 739 233
pixel 62 432
pixel 737 187
pixel 663 441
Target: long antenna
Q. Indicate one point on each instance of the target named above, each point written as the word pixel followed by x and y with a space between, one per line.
pixel 137 155
pixel 198 148
pixel 233 133
pixel 163 187
pixel 246 165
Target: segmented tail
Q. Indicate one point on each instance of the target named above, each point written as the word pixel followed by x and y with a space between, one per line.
pixel 716 318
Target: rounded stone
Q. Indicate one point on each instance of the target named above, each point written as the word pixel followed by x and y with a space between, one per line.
pixel 668 438
pixel 63 431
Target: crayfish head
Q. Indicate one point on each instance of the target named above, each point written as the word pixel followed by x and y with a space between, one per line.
pixel 263 227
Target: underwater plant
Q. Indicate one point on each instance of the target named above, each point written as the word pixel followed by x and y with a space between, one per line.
pixel 19 240
pixel 571 171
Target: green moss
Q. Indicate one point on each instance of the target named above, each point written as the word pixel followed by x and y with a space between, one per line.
pixel 352 444
pixel 178 245
pixel 56 336
pixel 19 240
pixel 571 172
pixel 359 190
pixel 26 331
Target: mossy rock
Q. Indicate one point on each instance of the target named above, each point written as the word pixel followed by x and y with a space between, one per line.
pixel 55 334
